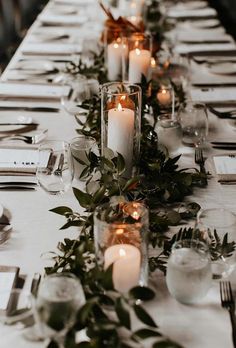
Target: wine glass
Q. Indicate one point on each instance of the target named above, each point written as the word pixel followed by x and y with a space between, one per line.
pixel 55 167
pixel 194 122
pixel 59 298
pixel 79 91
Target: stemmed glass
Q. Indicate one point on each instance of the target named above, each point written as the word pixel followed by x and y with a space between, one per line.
pixel 55 167
pixel 59 298
pixel 194 122
pixel 79 91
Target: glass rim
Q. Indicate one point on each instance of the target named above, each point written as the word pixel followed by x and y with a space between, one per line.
pixel 222 210
pixel 108 84
pixel 88 138
pixel 193 244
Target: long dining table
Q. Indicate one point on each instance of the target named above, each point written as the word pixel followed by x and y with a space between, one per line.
pixel 35 230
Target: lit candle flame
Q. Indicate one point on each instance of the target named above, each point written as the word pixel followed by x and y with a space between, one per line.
pixel 119 231
pixel 164 91
pixel 119 107
pixel 153 62
pixel 137 51
pixel 122 252
pixel 135 215
pixel 116 45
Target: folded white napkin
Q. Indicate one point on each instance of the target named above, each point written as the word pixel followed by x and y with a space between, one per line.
pixel 192 13
pixel 50 48
pixel 216 95
pixel 22 90
pixel 198 48
pixel 20 160
pixel 225 167
pixel 47 19
pixel 203 35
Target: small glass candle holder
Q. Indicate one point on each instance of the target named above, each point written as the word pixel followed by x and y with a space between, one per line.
pixel 137 63
pixel 120 234
pixel 121 121
pixel 166 98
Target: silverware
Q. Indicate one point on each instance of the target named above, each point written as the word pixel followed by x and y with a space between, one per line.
pixel 29 108
pixel 199 159
pixel 225 182
pixel 223 143
pixel 58 171
pixel 227 302
pixel 19 124
pixel 223 114
pixel 224 147
pixel 26 138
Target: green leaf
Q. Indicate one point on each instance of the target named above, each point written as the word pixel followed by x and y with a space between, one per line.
pixel 146 333
pixel 122 313
pixel 107 280
pixel 144 316
pixel 142 293
pixel 84 345
pixel 84 199
pixel 166 344
pixel 61 210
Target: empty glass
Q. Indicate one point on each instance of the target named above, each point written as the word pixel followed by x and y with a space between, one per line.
pixel 59 298
pixel 224 222
pixel 55 167
pixel 194 122
pixel 79 91
pixel 80 147
pixel 189 273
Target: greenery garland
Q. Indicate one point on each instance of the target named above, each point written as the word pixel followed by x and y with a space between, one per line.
pixel 163 187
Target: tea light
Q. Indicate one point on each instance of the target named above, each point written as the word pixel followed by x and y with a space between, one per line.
pixel 164 97
pixel 139 64
pixel 120 132
pixel 126 260
pixel 115 51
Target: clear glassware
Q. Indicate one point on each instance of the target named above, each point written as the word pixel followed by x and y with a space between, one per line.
pixel 169 132
pixel 59 297
pixel 80 148
pixel 55 167
pixel 189 273
pixel 224 222
pixel 166 99
pixel 121 239
pixel 79 91
pixel 194 122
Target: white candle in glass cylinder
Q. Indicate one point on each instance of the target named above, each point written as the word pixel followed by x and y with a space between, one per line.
pixel 139 64
pixel 164 97
pixel 126 260
pixel 120 133
pixel 115 52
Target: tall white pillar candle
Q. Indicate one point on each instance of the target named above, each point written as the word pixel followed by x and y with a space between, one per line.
pixel 115 52
pixel 120 134
pixel 139 64
pixel 126 260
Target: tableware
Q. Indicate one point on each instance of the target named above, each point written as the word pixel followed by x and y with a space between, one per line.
pixel 1 210
pixel 59 297
pixel 189 273
pixel 194 122
pixel 41 65
pixel 231 114
pixel 5 231
pixel 29 108
pixel 223 222
pixel 227 302
pixel 11 123
pixel 223 68
pixel 166 99
pixel 32 137
pixel 56 178
pixel 80 148
pixel 169 132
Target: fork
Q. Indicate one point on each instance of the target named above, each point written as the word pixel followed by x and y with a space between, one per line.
pixel 223 114
pixel 199 159
pixel 58 171
pixel 227 302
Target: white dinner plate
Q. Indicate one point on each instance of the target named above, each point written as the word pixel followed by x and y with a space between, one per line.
pixel 36 65
pixel 208 23
pixel 223 69
pixel 14 119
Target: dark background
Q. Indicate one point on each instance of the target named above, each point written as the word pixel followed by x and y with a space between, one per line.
pixel 227 14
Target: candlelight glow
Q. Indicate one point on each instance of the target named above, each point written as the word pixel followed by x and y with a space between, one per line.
pixel 153 62
pixel 119 107
pixel 116 45
pixel 163 91
pixel 135 215
pixel 119 231
pixel 122 252
pixel 137 51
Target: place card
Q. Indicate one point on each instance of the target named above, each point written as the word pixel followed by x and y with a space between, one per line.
pixel 20 160
pixel 22 90
pixel 215 95
pixel 225 167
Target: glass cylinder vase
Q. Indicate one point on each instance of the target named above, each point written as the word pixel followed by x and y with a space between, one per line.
pixel 121 121
pixel 137 62
pixel 120 235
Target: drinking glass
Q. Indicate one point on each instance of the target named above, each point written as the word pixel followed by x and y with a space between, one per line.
pixel 189 271
pixel 223 222
pixel 59 298
pixel 55 167
pixel 169 132
pixel 80 148
pixel 79 91
pixel 194 122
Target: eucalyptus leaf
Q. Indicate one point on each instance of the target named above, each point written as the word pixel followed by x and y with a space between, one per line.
pixel 146 333
pixel 142 293
pixel 123 313
pixel 61 210
pixel 143 316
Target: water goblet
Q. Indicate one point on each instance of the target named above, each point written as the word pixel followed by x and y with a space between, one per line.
pixel 220 221
pixel 55 167
pixel 194 122
pixel 79 91
pixel 189 273
pixel 59 298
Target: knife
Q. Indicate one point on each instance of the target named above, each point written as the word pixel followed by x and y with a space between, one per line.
pixel 29 108
pixel 19 124
pixel 230 143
